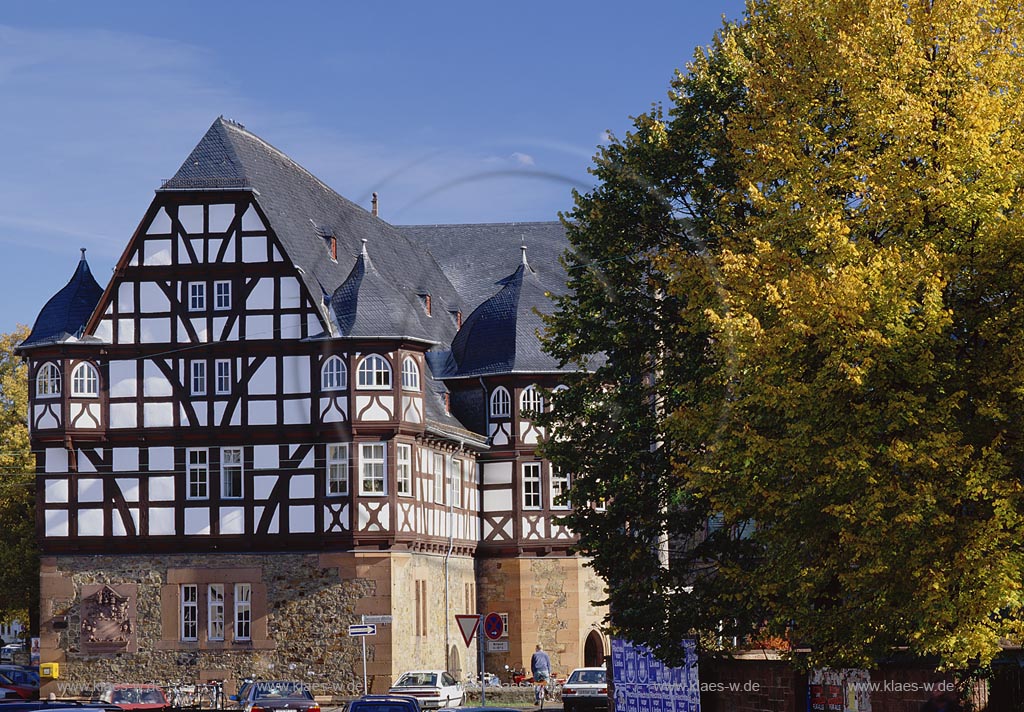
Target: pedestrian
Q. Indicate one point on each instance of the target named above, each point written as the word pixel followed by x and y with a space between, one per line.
pixel 540 666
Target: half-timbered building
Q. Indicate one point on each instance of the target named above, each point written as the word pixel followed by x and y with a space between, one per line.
pixel 283 414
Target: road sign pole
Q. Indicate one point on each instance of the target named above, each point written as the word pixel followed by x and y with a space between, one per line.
pixel 482 672
pixel 363 638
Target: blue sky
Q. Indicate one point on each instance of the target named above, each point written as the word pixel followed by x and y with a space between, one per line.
pixel 454 112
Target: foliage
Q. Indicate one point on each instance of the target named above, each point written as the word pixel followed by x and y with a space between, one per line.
pixel 837 358
pixel 19 558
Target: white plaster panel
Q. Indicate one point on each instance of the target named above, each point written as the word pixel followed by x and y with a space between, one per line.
pixel 129 487
pixel 90 416
pixel 44 417
pixel 296 374
pixel 118 526
pixel 157 252
pixel 213 246
pixel 384 516
pixel 161 489
pixel 301 487
pixel 259 327
pixel 313 324
pixel 251 220
pixel 254 249
pixel 123 415
pixel 126 297
pixel 275 523
pixel 197 520
pixel 199 326
pixel 296 412
pixel 154 331
pixel 125 331
pixel 198 245
pixel 126 459
pixel 264 381
pixel 152 299
pixel 84 463
pixel 329 411
pixel 262 412
pixel 161 224
pixel 182 334
pixel 265 457
pixel 104 331
pixel 109 311
pixel 90 522
pixel 161 521
pixel 56 492
pixel 158 415
pixel 220 216
pixel 307 461
pixel 218 412
pixel 497 473
pixel 262 295
pixel 291 293
pixel 122 379
pixel 161 459
pixel 263 485
pixel 498 500
pixel 527 433
pixel 56 522
pixel 199 409
pixel 301 519
pixel 191 218
pixel 90 489
pixel 232 520
pixel 155 383
pixel 136 257
pixel 412 409
pixel 291 326
pixel 184 257
pixel 369 409
pixel 219 322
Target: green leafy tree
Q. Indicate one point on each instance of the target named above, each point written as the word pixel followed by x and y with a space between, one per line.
pixel 827 226
pixel 19 557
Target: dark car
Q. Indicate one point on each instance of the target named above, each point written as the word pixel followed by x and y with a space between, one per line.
pixel 263 695
pixel 147 698
pixel 19 675
pixel 384 703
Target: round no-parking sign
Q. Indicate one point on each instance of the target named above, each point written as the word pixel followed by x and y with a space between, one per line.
pixel 493 627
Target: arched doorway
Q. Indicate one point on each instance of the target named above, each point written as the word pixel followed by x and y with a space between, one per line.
pixel 593 650
pixel 454 663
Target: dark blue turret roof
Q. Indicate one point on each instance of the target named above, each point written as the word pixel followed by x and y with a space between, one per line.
pixel 67 312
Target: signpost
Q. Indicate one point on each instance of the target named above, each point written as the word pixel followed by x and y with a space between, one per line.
pixel 470 624
pixel 361 630
pixel 494 627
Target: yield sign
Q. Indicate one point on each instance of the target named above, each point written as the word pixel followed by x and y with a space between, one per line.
pixel 468 624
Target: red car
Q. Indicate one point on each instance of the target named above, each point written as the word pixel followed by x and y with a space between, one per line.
pixel 24 691
pixel 135 697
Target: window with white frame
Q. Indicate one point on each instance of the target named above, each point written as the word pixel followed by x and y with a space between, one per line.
pixel 374 372
pixel 403 461
pixel 531 485
pixel 337 469
pixel 199 378
pixel 223 376
pixel 372 472
pixel 85 381
pixel 48 381
pixel 215 611
pixel 501 403
pixel 455 483
pixel 196 296
pixel 559 486
pixel 222 295
pixel 333 375
pixel 439 478
pixel 243 611
pixel 530 401
pixel 231 472
pixel 410 374
pixel 198 467
pixel 189 612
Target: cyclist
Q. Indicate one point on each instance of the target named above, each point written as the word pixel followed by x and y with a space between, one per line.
pixel 540 666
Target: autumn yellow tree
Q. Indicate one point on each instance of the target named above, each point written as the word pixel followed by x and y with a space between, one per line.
pixel 837 193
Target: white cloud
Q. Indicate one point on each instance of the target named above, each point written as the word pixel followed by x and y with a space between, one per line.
pixel 523 159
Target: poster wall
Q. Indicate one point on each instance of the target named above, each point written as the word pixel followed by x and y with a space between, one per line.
pixel 846 690
pixel 645 684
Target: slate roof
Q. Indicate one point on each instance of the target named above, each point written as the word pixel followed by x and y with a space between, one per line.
pixel 67 311
pixel 302 211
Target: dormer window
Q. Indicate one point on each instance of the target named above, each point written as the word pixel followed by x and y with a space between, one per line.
pixel 48 381
pixel 425 298
pixel 334 248
pixel 501 403
pixel 531 401
pixel 374 372
pixel 85 381
pixel 410 374
pixel 457 318
pixel 334 375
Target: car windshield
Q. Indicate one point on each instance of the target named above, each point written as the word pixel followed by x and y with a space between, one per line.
pixel 417 679
pixel 587 677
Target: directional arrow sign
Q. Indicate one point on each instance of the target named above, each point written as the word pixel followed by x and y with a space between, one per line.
pixel 468 624
pixel 362 629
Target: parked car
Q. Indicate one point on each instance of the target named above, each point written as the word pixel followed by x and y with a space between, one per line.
pixel 433 688
pixel 264 695
pixel 384 703
pixel 585 689
pixel 21 675
pixel 135 697
pixel 7 652
pixel 25 691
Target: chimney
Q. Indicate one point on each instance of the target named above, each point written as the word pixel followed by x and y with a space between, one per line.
pixel 374 202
